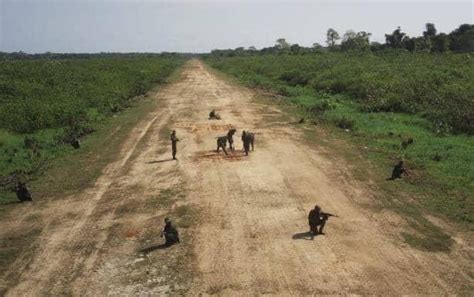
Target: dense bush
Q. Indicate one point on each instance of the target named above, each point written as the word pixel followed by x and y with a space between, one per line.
pixel 394 105
pixel 46 103
pixel 438 86
pixel 41 94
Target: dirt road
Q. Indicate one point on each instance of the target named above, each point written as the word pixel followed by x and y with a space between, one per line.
pixel 242 219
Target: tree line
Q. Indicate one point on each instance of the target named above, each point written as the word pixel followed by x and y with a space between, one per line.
pixel 459 40
pixel 20 55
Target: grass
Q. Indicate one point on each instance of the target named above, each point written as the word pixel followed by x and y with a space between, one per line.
pixel 371 166
pixel 54 154
pixel 440 167
pixel 48 103
pixel 441 175
pixel 70 172
pixel 438 86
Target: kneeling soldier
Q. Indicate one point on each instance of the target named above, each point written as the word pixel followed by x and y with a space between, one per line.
pixel 397 171
pixel 170 233
pixel 317 218
pixel 22 192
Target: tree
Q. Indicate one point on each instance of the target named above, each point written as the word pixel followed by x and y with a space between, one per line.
pixel 296 48
pixel 410 44
pixel 376 46
pixel 440 43
pixel 332 37
pixel 429 34
pixel 416 44
pixel 282 44
pixel 239 50
pixel 430 30
pixel 422 44
pixel 395 40
pixel 462 39
pixel 355 41
pixel 252 48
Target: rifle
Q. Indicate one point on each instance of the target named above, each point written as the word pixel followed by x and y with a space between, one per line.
pixel 326 215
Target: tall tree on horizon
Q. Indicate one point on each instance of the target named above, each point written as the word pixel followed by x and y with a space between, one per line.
pixel 396 39
pixel 332 37
pixel 282 44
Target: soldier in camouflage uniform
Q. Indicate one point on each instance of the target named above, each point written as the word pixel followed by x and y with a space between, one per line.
pixel 230 138
pixel 246 142
pixel 174 140
pixel 213 115
pixel 222 143
pixel 170 233
pixel 317 218
pixel 397 171
pixel 22 192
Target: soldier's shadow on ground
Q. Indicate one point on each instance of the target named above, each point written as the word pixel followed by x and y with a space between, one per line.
pixel 302 235
pixel 160 161
pixel 154 248
pixel 13 202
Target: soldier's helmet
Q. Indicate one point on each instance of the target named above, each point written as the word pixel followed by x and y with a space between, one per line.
pixel 317 208
pixel 167 220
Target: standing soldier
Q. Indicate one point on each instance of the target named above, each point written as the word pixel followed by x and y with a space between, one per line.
pixel 317 218
pixel 174 140
pixel 230 138
pixel 246 141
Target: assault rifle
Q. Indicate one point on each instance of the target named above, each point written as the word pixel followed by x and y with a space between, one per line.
pixel 326 215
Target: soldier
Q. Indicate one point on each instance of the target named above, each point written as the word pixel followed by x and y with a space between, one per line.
pixel 174 140
pixel 22 192
pixel 230 138
pixel 397 171
pixel 317 218
pixel 76 143
pixel 170 233
pixel 213 115
pixel 251 138
pixel 221 143
pixel 246 141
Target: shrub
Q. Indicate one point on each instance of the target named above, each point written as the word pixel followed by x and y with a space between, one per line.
pixel 439 86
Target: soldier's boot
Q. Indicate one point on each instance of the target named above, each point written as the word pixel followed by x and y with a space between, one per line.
pixel 323 223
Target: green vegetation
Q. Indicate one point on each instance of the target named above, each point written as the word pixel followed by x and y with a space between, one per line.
pixel 45 104
pixel 395 104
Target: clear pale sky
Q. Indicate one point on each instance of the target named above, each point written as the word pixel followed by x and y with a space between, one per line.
pixel 35 26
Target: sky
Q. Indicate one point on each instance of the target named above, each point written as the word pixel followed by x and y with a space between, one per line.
pixel 79 26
